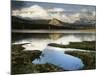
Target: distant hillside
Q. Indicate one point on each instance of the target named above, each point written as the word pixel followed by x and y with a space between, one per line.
pixel 55 22
pixel 20 23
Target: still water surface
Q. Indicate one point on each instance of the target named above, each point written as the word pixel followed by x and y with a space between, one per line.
pixel 55 55
pixel 40 41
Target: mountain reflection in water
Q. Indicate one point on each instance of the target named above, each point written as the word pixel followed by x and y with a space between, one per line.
pixel 54 55
pixel 40 41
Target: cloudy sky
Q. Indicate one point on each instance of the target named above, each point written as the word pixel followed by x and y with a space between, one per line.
pixel 42 10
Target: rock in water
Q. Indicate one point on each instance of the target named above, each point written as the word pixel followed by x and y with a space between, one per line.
pixel 57 57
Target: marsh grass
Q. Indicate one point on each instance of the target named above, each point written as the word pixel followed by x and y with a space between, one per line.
pixel 87 45
pixel 21 61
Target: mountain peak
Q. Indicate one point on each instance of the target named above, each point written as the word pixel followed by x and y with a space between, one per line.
pixel 55 22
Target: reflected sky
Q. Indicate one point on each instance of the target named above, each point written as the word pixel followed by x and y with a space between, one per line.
pixel 40 41
pixel 57 57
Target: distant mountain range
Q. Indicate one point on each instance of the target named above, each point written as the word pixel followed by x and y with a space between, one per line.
pixel 22 23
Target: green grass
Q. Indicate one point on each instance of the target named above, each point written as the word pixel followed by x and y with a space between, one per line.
pixel 87 45
pixel 21 61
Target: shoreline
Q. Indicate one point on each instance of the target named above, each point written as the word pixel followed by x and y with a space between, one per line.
pixel 54 31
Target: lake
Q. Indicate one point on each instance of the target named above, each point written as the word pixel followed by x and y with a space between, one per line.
pixel 54 55
pixel 38 41
pixel 57 57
